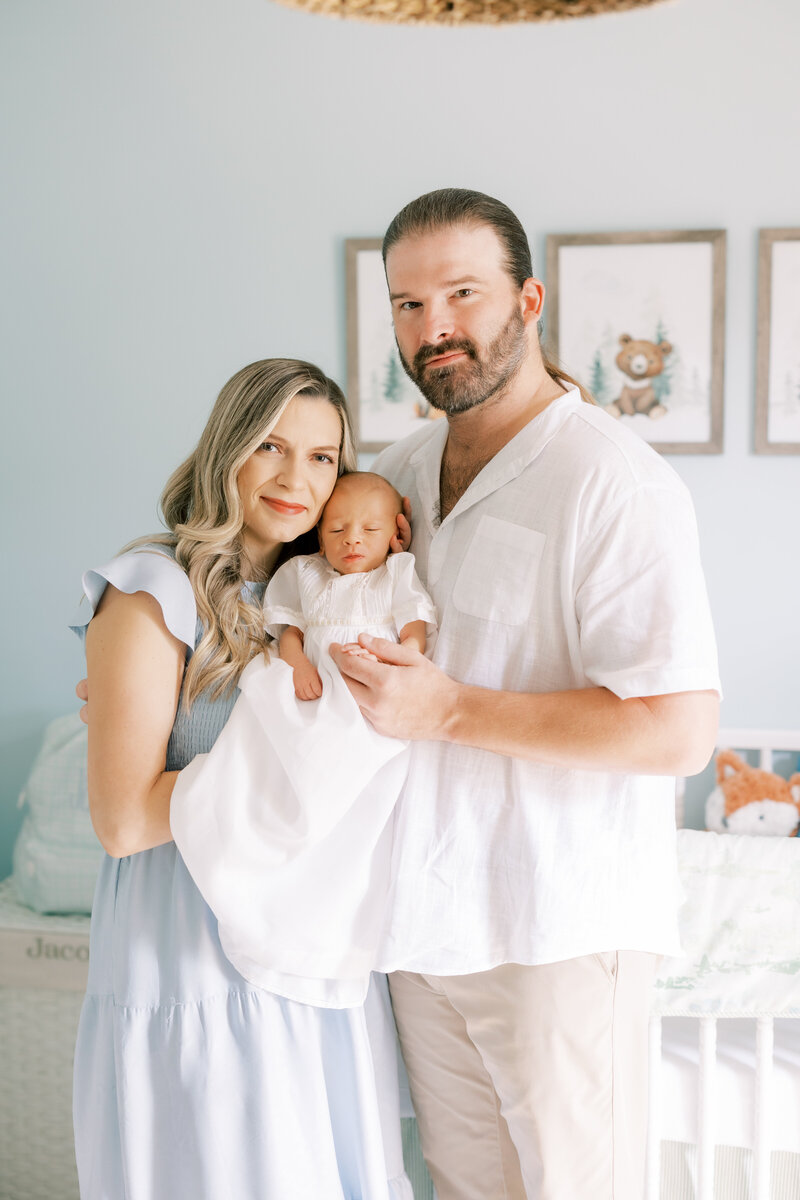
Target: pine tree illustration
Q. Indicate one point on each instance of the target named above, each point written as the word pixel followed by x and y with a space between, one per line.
pixel 393 379
pixel 598 382
pixel 662 384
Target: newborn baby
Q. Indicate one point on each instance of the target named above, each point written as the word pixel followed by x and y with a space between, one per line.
pixel 286 825
pixel 314 600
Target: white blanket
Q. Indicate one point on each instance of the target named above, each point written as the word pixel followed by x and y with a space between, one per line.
pixel 740 928
pixel 286 828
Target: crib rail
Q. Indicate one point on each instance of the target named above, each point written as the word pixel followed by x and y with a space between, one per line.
pixel 707 1107
pixel 766 742
pixel 762 1147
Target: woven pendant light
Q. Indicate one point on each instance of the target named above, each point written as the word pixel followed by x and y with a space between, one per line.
pixel 464 12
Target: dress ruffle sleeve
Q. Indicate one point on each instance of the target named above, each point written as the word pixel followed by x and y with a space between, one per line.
pixel 282 603
pixel 143 571
pixel 410 601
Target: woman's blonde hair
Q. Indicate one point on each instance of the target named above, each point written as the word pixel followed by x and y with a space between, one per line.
pixel 202 509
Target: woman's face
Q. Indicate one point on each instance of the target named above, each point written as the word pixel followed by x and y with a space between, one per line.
pixel 285 482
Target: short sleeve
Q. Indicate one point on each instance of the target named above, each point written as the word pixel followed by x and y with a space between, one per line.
pixel 282 603
pixel 143 571
pixel 410 601
pixel 641 601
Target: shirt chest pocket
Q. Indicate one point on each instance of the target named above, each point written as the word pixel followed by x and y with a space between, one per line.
pixel 497 577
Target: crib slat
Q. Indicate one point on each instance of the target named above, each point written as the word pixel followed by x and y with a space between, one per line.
pixel 653 1176
pixel 680 803
pixel 762 1146
pixel 706 1087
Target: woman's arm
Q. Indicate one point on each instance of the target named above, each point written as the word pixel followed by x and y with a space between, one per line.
pixel 135 667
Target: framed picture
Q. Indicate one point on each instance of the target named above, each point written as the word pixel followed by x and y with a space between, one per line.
pixel 639 318
pixel 384 403
pixel 778 355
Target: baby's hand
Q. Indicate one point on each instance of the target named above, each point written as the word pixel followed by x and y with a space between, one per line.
pixel 307 683
pixel 357 651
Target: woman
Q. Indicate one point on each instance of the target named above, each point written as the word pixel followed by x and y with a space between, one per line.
pixel 190 1082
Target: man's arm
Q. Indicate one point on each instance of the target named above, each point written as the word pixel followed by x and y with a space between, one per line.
pixel 406 696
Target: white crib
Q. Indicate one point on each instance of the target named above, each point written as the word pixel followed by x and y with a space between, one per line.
pixel 741 932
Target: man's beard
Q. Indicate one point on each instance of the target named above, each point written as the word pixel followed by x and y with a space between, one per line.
pixel 462 386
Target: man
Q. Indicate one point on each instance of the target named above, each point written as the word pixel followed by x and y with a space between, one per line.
pixel 534 876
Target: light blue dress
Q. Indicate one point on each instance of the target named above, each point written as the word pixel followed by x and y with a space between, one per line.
pixel 190 1083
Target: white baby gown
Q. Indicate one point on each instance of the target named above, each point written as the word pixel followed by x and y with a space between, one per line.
pixel 285 825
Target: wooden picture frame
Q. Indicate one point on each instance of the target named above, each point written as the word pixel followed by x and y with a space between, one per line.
pixel 384 403
pixel 655 289
pixel 777 414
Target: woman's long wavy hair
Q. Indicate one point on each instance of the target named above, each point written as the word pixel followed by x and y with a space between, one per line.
pixel 203 513
pixel 460 206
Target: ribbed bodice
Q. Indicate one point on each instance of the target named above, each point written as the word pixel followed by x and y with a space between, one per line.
pixel 195 731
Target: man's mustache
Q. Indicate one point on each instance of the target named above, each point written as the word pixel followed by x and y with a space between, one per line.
pixel 426 353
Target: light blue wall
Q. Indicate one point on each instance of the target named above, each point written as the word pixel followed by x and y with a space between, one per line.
pixel 179 179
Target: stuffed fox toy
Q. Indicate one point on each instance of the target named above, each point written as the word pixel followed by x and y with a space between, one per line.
pixel 748 800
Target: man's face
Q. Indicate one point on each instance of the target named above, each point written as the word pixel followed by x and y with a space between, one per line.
pixel 457 315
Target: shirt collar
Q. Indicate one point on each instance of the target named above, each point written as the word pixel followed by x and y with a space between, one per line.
pixel 506 465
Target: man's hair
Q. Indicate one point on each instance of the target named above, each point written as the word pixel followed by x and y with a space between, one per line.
pixel 460 206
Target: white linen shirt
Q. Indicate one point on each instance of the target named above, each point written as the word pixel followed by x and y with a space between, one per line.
pixel 571 561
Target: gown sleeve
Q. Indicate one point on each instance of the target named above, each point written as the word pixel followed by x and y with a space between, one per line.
pixel 282 603
pixel 143 571
pixel 410 601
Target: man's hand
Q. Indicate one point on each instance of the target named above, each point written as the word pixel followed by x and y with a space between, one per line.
pixel 402 538
pixel 82 692
pixel 402 694
pixel 405 696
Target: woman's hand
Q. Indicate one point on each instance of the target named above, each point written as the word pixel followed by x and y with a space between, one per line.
pixel 82 692
pixel 402 538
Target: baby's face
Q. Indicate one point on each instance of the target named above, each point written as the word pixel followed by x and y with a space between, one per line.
pixel 357 526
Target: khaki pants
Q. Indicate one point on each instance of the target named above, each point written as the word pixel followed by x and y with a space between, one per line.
pixel 531 1082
